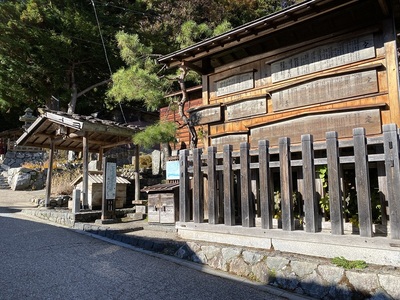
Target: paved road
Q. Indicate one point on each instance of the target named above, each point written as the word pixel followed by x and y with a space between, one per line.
pixel 40 261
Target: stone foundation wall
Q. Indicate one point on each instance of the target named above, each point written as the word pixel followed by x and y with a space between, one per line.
pixel 316 277
pixel 65 218
pixel 306 275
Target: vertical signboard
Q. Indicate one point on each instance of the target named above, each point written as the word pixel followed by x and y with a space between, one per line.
pixel 109 188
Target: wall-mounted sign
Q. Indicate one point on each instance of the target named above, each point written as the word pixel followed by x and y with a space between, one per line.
pixel 230 139
pixel 172 172
pixel 205 115
pixel 326 89
pixel 318 125
pixel 324 57
pixel 235 84
pixel 247 108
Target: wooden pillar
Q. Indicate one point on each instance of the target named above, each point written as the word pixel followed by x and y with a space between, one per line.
pixel 335 192
pixel 391 56
pixel 362 182
pixel 229 203
pixel 137 174
pixel 49 173
pixel 198 195
pixel 220 196
pixel 247 207
pixel 266 197
pixel 85 175
pixel 308 189
pixel 383 191
pixel 286 184
pixel 184 187
pixel 212 186
pixel 100 159
pixel 392 165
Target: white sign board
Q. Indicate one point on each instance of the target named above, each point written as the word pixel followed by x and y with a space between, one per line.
pixel 111 180
pixel 173 170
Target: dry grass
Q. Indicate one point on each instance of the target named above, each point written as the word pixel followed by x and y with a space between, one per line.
pixel 61 181
pixel 38 166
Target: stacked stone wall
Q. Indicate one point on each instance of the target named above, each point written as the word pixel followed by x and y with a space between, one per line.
pixel 15 159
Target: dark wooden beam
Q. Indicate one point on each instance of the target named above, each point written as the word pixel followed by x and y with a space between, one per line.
pixel 193 67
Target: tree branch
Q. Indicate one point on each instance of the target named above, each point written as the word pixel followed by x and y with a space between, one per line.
pixel 93 86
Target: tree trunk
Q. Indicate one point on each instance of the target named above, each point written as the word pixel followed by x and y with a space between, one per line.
pixel 74 90
pixel 74 93
pixel 181 107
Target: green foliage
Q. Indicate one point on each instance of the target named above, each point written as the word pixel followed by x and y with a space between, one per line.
pixel 138 81
pixel 137 84
pixel 324 201
pixel 349 264
pixel 162 132
pixel 46 46
pixel 43 43
pixel 192 33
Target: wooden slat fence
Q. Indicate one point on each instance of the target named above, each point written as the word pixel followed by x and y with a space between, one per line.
pixel 237 188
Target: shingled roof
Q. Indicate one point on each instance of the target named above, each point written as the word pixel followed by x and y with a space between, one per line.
pixel 67 131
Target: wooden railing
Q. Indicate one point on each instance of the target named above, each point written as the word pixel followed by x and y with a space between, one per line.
pixel 237 188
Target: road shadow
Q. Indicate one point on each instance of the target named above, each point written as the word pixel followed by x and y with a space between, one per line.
pixel 8 210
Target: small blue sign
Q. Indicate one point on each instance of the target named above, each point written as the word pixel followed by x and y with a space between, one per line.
pixel 172 170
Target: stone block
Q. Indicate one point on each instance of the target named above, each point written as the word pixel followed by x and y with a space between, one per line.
pixel 390 284
pixel 141 209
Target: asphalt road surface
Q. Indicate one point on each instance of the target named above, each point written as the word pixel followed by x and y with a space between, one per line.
pixel 41 261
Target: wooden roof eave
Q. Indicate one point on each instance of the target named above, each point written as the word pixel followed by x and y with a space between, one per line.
pixel 262 26
pixel 38 122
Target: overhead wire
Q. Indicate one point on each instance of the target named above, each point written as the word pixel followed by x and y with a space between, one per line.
pixel 105 53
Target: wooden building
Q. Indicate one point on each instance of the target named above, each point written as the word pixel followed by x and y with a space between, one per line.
pixel 315 85
pixel 317 66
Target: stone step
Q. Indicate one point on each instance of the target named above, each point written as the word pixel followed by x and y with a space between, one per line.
pixel 4 183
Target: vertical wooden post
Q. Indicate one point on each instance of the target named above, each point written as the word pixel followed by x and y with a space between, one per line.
pixel 286 184
pixel 49 173
pixel 184 187
pixel 137 174
pixel 85 175
pixel 220 197
pixel 198 195
pixel 212 186
pixel 100 159
pixel 362 182
pixel 391 57
pixel 383 191
pixel 335 191
pixel 266 199
pixel 308 190
pixel 248 211
pixel 255 191
pixel 229 204
pixel 392 164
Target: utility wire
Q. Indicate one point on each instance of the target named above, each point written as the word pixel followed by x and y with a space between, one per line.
pixel 105 53
pixel 102 39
